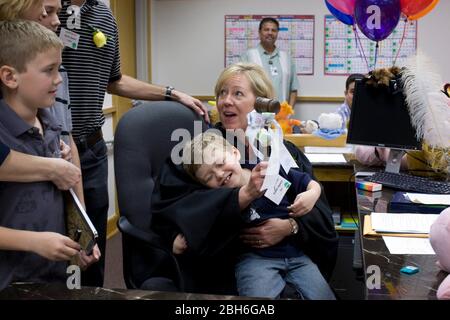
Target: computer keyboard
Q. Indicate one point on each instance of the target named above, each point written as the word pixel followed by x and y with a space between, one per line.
pixel 408 182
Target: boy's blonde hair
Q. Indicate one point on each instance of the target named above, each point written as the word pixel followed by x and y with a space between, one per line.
pixel 194 150
pixel 259 81
pixel 21 41
pixel 15 9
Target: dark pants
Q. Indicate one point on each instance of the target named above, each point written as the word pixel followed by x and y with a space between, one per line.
pixel 94 167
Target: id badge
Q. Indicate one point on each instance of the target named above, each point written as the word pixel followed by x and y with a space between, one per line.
pixel 69 38
pixel 273 71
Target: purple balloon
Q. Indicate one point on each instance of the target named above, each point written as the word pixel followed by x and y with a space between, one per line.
pixel 377 18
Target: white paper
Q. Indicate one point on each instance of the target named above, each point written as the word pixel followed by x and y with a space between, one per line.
pixel 443 199
pixel 402 222
pixel 348 149
pixel 403 245
pixel 277 191
pixel 325 158
pixel 286 160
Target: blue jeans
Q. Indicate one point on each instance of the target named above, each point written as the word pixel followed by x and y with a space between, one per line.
pixel 259 276
pixel 94 166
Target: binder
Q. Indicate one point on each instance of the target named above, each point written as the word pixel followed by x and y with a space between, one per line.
pixel 79 226
pixel 401 204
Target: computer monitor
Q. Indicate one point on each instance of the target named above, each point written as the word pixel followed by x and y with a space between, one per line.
pixel 380 118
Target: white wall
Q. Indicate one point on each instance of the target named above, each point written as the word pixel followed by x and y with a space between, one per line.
pixel 188 44
pixel 107 130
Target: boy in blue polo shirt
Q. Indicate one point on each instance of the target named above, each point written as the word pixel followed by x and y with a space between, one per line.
pixel 32 227
pixel 345 109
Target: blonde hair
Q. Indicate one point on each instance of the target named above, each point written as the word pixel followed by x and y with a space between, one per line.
pixel 194 150
pixel 260 83
pixel 21 41
pixel 15 9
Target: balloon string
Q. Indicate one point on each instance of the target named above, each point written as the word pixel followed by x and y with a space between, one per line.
pixel 405 26
pixel 376 55
pixel 360 47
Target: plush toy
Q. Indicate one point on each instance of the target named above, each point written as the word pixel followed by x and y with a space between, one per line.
pixel 330 121
pixel 383 76
pixel 283 116
pixel 213 112
pixel 440 241
pixel 330 126
pixel 309 127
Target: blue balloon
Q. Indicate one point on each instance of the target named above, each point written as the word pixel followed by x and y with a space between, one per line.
pixel 377 18
pixel 342 17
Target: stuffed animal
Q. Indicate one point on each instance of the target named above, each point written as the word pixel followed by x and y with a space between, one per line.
pixel 440 241
pixel 382 77
pixel 309 127
pixel 330 121
pixel 283 116
pixel 213 112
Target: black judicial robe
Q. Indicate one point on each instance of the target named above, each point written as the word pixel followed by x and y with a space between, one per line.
pixel 211 221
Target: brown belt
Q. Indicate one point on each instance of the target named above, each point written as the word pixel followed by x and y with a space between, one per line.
pixel 87 142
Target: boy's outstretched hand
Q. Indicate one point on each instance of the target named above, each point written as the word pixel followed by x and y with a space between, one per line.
pixel 251 190
pixel 253 187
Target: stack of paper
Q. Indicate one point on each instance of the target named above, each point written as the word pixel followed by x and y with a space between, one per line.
pixel 422 198
pixel 401 231
pixel 325 158
pixel 348 149
pixel 402 222
pixel 397 245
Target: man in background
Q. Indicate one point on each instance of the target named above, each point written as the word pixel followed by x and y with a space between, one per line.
pixel 277 63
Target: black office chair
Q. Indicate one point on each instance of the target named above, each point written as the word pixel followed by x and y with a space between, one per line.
pixel 141 145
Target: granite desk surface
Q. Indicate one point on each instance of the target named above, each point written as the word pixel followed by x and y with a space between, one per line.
pixel 394 284
pixel 33 291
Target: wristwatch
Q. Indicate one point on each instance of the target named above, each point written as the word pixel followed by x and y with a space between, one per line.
pixel 294 226
pixel 168 94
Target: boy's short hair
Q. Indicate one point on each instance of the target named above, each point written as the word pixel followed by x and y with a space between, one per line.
pixel 193 151
pixel 21 41
pixel 352 78
pixel 15 9
pixel 269 19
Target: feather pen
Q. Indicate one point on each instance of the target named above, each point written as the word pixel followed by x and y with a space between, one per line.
pixel 428 107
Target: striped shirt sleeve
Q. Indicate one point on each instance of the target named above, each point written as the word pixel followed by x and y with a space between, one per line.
pixel 115 67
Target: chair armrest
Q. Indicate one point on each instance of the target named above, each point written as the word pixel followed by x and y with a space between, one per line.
pixel 152 240
pixel 146 236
